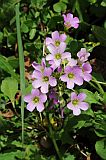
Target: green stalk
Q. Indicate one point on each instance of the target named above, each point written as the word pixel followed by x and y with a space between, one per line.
pixel 54 141
pixel 98 84
pixel 22 68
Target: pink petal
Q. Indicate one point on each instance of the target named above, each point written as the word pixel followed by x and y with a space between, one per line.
pixel 73 96
pixel 57 62
pixel 72 62
pixel 49 57
pixel 47 71
pixel 78 80
pixel 87 67
pixel 64 78
pixel 76 111
pixel 55 35
pixel 69 16
pixel 63 37
pixel 70 84
pixel 62 47
pixel 64 16
pixel 76 19
pixel 28 98
pixel 35 92
pixel 70 106
pixel 87 77
pixel 66 55
pixel 40 107
pixel 52 49
pixel 31 106
pixel 76 25
pixel 52 81
pixel 43 97
pixel 37 74
pixel 68 69
pixel 44 88
pixel 36 83
pixel 48 41
pixel 84 106
pixel 81 96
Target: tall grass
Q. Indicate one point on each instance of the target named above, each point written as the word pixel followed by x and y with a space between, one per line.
pixel 21 64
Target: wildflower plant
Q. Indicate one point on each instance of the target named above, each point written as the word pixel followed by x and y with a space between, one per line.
pixel 58 74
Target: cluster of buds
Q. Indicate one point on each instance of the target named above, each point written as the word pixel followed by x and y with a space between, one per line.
pixel 59 68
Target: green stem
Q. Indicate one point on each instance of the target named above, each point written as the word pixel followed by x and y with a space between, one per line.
pixel 99 86
pixel 22 68
pixel 54 141
pixel 94 86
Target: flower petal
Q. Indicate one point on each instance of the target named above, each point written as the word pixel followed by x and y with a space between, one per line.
pixel 66 55
pixel 52 81
pixel 36 83
pixel 48 41
pixel 84 106
pixel 28 98
pixel 63 37
pixel 87 77
pixel 64 78
pixel 76 111
pixel 47 71
pixel 40 107
pixel 52 49
pixel 70 84
pixel 35 92
pixel 36 74
pixel 43 97
pixel 44 88
pixel 49 57
pixel 73 96
pixel 70 106
pixel 62 47
pixel 55 35
pixel 81 97
pixel 31 106
pixel 78 80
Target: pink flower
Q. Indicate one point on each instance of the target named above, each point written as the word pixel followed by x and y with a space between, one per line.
pixel 83 55
pixel 86 70
pixel 44 79
pixel 38 67
pixel 35 100
pixel 57 55
pixel 56 39
pixel 77 103
pixel 72 76
pixel 70 21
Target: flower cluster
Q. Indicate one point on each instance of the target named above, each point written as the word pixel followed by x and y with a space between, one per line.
pixel 59 70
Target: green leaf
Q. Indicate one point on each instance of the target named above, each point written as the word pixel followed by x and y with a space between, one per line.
pixel 24 28
pixel 4 64
pixel 9 87
pixel 100 132
pixel 104 98
pixel 9 156
pixel 69 157
pixel 1 36
pixel 100 147
pixel 32 33
pixel 58 7
pixel 91 97
pixel 92 1
pixel 100 34
pixel 54 20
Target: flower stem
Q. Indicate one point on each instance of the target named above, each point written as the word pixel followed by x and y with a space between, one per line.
pixel 98 84
pixel 54 141
pixel 22 68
